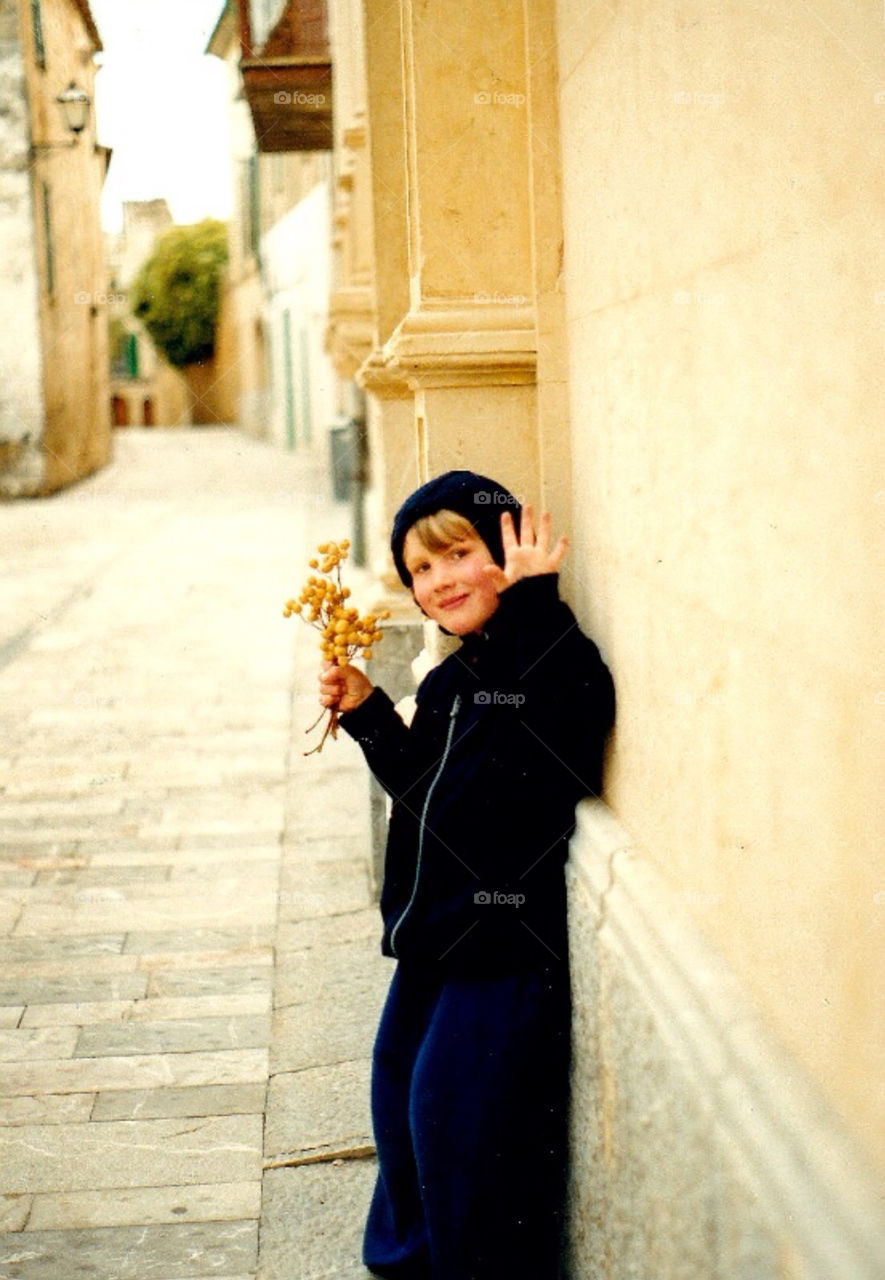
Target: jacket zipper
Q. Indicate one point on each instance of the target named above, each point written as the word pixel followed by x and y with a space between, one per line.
pixel 454 711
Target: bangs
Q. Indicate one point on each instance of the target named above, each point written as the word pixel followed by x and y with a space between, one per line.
pixel 443 528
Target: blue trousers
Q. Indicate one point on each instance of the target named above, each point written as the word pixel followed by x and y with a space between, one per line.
pixel 469 1108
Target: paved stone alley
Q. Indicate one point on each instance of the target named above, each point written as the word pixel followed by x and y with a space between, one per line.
pixel 189 967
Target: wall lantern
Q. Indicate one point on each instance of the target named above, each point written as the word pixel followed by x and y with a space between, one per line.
pixel 74 105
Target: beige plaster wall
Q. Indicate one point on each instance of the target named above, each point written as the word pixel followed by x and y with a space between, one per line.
pixel 73 317
pixel 723 184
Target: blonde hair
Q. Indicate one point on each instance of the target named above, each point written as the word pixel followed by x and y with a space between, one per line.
pixel 442 529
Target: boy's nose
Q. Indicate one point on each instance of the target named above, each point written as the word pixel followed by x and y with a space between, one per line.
pixel 443 578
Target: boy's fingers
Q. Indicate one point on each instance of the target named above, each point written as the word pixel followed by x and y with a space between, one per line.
pixel 508 530
pixel 526 528
pixel 559 551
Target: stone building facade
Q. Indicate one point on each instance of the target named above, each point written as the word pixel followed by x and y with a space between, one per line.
pixel 276 286
pixel 145 390
pixel 622 259
pixel 54 403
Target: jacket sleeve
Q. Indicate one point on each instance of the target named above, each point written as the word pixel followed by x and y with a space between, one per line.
pixel 384 739
pixel 567 694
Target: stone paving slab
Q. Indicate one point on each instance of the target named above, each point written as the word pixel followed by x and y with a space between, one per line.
pixel 44 1042
pixel 313 1218
pixel 131 1153
pixel 49 1108
pixel 184 1035
pixel 183 1252
pixel 237 980
pixel 159 1010
pixel 319 1107
pixel 350 926
pixel 324 972
pixel 240 941
pixel 53 988
pixel 319 1032
pixel 142 1071
pixel 150 1206
pixel 200 1100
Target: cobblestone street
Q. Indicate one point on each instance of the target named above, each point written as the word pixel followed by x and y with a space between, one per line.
pixel 189 967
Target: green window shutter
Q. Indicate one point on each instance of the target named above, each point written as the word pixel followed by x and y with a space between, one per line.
pixel 47 240
pixel 254 205
pixel 131 355
pixel 37 28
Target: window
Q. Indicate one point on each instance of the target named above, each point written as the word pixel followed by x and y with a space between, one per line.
pixel 37 28
pixel 254 204
pixel 49 257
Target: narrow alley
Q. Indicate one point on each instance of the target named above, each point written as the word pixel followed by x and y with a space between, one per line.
pixel 189 968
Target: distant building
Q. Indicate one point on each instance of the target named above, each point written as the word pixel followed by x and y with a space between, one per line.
pixel 145 390
pixel 276 288
pixel 54 415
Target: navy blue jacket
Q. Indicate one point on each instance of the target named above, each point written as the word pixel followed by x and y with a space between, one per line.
pixel 507 736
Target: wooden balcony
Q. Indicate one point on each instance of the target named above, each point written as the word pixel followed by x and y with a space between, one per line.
pixel 288 81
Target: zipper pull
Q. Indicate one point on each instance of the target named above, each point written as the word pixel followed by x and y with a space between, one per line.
pixel 455 706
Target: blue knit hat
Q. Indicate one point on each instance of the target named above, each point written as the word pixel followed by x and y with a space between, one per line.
pixel 480 500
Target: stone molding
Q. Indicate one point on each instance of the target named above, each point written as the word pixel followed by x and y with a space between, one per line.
pixel 464 343
pixel 793 1157
pixel 350 329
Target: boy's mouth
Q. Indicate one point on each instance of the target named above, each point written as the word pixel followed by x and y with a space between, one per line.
pixel 452 602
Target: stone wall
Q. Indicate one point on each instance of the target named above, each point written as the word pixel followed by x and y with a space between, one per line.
pixel 21 389
pixel 61 362
pixel 700 1149
pixel 723 274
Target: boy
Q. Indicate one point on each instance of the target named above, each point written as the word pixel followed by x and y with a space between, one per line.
pixel 471 1061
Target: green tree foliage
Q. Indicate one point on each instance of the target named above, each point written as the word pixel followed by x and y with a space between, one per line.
pixel 176 293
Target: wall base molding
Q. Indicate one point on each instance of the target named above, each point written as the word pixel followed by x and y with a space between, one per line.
pixel 700 1149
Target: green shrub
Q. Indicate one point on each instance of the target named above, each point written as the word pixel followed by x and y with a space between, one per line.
pixel 176 293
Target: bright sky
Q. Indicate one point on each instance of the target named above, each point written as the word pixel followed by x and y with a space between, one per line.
pixel 161 103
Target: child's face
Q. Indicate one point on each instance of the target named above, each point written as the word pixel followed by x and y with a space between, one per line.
pixel 450 585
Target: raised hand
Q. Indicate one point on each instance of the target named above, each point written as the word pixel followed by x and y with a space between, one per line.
pixel 529 554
